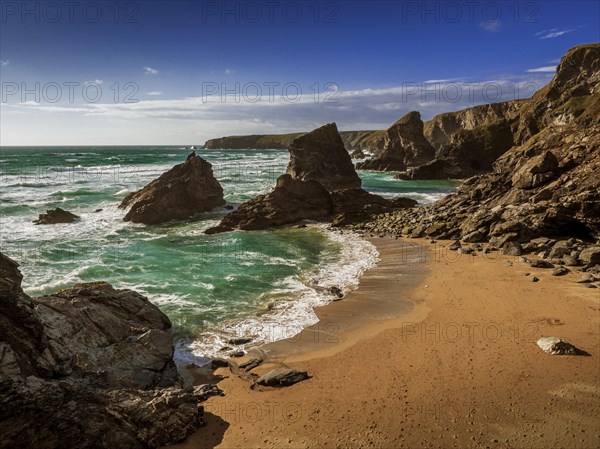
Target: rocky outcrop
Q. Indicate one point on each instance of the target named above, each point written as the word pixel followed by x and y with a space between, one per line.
pixel 404 145
pixel 436 169
pixel 292 200
pixel 320 156
pixel 442 130
pixel 185 190
pixel 56 216
pixel 548 186
pixel 88 367
pixel 358 206
pixel 321 183
pixel 10 276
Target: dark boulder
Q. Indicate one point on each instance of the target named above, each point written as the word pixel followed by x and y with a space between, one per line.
pixel 55 216
pixel 185 190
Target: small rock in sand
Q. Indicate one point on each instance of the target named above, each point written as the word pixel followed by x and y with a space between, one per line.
pixel 541 264
pixel 282 377
pixel 586 278
pixel 560 271
pixel 534 279
pixel 557 346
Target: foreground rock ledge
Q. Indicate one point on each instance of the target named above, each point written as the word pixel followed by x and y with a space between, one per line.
pixel 183 191
pixel 88 367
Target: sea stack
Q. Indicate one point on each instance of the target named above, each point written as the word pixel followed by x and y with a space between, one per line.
pixel 320 156
pixel 404 146
pixel 185 190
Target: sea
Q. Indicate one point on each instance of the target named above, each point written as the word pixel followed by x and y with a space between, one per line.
pixel 262 285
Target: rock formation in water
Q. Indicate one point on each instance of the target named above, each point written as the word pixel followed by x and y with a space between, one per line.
pixel 88 367
pixel 404 145
pixel 292 200
pixel 185 190
pixel 320 156
pixel 55 216
pixel 320 184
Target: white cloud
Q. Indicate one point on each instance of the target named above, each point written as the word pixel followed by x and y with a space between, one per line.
pixel 554 32
pixel 154 93
pixel 95 82
pixel 548 69
pixel 351 109
pixel 492 26
pixel 4 62
pixel 229 72
pixel 150 71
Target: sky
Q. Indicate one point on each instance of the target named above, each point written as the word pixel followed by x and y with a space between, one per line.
pixel 181 72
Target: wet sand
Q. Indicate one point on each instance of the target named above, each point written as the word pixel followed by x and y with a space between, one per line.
pixel 442 355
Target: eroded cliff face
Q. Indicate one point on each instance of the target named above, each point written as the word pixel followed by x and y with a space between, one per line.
pixel 468 142
pixel 403 146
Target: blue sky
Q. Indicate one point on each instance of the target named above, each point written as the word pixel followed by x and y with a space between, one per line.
pixel 158 72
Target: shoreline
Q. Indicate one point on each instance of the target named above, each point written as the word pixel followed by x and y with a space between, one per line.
pixel 460 368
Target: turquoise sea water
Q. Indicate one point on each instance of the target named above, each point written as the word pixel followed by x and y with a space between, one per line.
pixel 260 284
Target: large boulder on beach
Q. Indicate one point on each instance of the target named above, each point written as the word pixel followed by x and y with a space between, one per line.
pixel 88 367
pixel 292 200
pixel 404 145
pixel 320 156
pixel 185 190
pixel 56 216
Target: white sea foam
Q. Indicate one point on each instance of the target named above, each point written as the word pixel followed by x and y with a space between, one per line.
pixel 288 317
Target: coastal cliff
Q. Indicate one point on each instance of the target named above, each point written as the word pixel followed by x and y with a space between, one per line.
pixel 545 187
pixel 353 140
pixel 88 367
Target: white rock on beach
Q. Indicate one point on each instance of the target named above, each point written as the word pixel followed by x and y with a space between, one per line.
pixel 556 346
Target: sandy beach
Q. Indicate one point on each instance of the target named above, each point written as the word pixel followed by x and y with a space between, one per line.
pixel 434 349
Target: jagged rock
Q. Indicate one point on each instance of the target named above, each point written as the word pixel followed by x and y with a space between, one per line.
pixel 291 201
pixel 541 264
pixel 512 249
pixel 586 278
pixel 320 156
pixel 404 145
pixel 250 364
pixel 560 271
pixel 10 276
pixel 590 255
pixel 557 346
pixel 55 216
pixel 282 377
pixel 435 169
pixel 536 171
pixel 88 367
pixel 357 206
pixel 534 279
pixel 186 189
